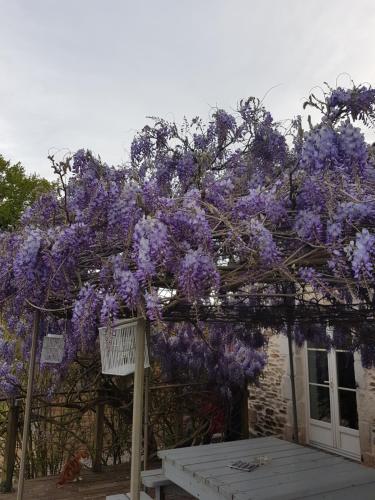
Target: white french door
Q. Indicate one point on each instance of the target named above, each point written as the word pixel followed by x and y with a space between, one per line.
pixel 332 400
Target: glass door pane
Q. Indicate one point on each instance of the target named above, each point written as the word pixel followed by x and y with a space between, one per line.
pixel 345 369
pixel 318 367
pixel 348 409
pixel 320 406
pixel 346 389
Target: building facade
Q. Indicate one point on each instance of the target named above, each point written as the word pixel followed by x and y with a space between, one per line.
pixel 335 399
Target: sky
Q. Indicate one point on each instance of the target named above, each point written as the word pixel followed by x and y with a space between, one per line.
pixel 88 73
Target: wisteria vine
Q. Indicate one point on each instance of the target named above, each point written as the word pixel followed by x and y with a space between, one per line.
pixel 224 212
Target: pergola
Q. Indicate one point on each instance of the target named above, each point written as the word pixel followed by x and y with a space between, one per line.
pixel 232 222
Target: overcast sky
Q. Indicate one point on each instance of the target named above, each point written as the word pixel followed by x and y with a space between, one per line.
pixel 86 73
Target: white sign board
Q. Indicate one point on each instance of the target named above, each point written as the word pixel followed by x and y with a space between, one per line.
pixel 52 349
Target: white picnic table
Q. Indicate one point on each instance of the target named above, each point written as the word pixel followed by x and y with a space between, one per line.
pixel 293 472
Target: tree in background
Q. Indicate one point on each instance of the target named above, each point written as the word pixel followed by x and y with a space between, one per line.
pixel 17 191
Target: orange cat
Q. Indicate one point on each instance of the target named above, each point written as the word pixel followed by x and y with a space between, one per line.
pixel 72 468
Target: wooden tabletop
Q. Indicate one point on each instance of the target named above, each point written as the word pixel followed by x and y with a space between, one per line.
pixel 292 472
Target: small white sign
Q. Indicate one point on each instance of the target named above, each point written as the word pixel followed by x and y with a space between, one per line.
pixel 52 349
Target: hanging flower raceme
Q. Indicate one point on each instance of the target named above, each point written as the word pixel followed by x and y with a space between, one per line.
pixel 25 259
pixel 85 319
pixel 7 348
pixel 127 287
pixel 309 226
pixel 45 211
pixel 259 201
pixel 69 242
pixel 110 310
pixel 9 383
pixel 353 149
pixel 141 147
pixel 198 275
pixel 188 224
pixel 151 247
pixel 154 306
pixel 269 144
pixel 123 211
pixel 361 254
pixel 320 150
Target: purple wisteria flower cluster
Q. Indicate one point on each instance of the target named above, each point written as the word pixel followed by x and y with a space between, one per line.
pixel 358 101
pixel 151 247
pixel 197 274
pixel 212 354
pixel 361 254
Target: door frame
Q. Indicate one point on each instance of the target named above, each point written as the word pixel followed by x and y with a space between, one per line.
pixel 334 427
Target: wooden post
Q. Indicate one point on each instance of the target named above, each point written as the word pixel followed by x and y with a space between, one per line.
pixel 146 403
pixel 26 421
pixel 99 434
pixel 290 301
pixel 292 383
pixel 145 425
pixel 179 414
pixel 135 478
pixel 245 413
pixel 10 447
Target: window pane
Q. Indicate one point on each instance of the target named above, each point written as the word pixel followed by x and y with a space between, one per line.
pixel 318 367
pixel 348 409
pixel 319 403
pixel 345 369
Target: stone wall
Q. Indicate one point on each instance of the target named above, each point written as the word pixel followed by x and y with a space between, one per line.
pixel 267 403
pixel 366 415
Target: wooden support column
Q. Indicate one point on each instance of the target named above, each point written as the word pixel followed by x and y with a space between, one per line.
pixel 135 479
pixel 10 447
pixel 245 413
pixel 146 421
pixel 290 303
pixel 146 403
pixel 292 383
pixel 99 433
pixel 26 421
pixel 179 415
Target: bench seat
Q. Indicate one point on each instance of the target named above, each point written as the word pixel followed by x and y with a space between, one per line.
pixel 121 496
pixel 155 479
pixel 152 478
